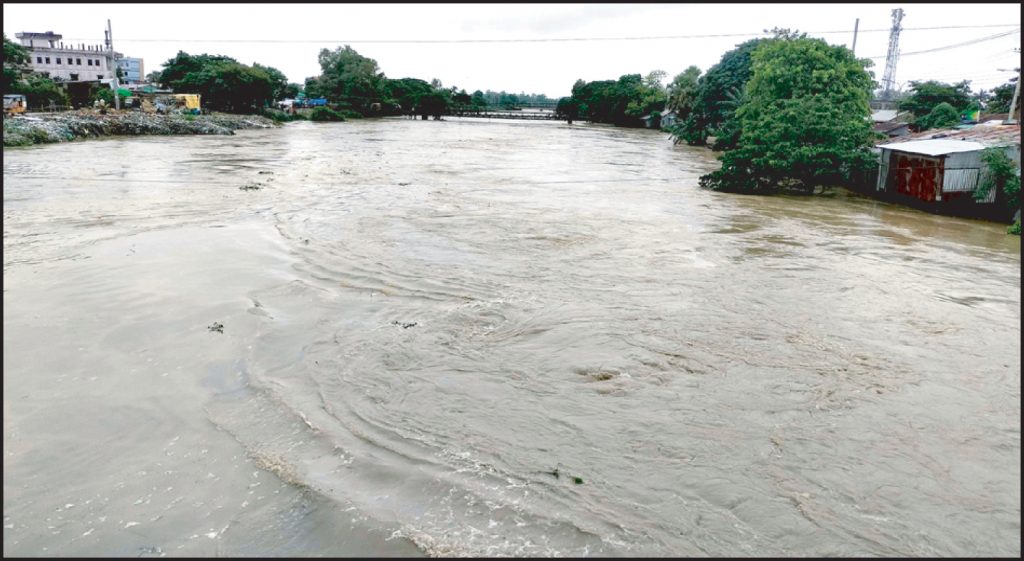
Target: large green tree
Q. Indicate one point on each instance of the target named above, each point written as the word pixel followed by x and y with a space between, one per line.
pixel 224 83
pixel 718 95
pixel 804 120
pixel 925 96
pixel 682 92
pixel 349 80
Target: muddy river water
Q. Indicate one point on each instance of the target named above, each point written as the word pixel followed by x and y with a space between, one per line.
pixel 399 338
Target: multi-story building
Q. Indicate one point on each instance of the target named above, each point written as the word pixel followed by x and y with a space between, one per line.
pixel 72 63
pixel 131 68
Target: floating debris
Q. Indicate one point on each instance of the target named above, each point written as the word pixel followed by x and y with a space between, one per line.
pixel 404 325
pixel 252 187
pixel 217 326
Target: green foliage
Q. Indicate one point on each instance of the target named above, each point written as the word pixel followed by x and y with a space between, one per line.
pixel 620 102
pixel 278 81
pixel 18 78
pixel 718 96
pixel 40 90
pixel 924 96
pixel 682 92
pixel 1015 228
pixel 325 114
pixel 407 92
pixel 348 79
pixel 1001 175
pixel 224 83
pixel 999 102
pixel 101 93
pixel 279 116
pixel 942 116
pixel 16 63
pixel 804 120
pixel 568 108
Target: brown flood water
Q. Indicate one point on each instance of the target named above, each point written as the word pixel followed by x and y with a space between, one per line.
pixel 492 338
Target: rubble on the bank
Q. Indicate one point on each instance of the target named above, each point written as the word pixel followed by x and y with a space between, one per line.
pixel 40 128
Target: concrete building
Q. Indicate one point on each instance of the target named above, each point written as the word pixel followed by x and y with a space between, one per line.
pixel 72 63
pixel 132 68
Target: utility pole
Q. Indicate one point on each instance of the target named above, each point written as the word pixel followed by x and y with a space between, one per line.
pixel 114 84
pixel 856 25
pixel 1012 118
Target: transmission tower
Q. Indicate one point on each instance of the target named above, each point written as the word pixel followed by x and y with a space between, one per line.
pixel 889 78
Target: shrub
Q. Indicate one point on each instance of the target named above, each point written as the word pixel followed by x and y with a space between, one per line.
pixel 325 114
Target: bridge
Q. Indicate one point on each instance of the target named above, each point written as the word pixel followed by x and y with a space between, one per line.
pixel 507 114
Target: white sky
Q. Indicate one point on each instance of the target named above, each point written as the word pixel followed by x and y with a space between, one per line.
pixel 288 37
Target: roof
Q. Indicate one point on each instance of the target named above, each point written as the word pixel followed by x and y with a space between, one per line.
pixel 935 147
pixel 889 126
pixel 883 115
pixel 985 134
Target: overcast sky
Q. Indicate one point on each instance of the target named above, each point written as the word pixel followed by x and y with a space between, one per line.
pixel 288 37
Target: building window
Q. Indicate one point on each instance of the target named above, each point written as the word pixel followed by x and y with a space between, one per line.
pixel 89 60
pixel 78 61
pixel 99 76
pixel 58 60
pixel 47 60
pixel 74 77
pixel 39 60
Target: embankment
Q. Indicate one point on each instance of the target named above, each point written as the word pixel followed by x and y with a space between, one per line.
pixel 25 130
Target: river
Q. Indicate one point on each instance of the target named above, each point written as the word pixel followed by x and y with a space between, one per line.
pixel 396 338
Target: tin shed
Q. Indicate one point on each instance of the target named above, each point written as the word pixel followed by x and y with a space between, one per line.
pixel 935 170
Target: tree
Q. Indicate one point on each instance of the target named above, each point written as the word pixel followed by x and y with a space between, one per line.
pixel 18 78
pixel 225 84
pixel 682 92
pixel 717 97
pixel 1003 95
pixel 16 63
pixel 407 92
pixel 350 80
pixel 568 108
pixel 804 120
pixel 478 102
pixel 278 81
pixel 647 97
pixel 924 96
pixel 291 91
pixel 941 116
pixel 153 77
pixel 1001 175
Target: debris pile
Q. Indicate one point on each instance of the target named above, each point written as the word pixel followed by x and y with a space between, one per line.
pixel 25 130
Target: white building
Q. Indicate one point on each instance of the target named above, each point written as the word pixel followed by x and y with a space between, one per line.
pixel 72 63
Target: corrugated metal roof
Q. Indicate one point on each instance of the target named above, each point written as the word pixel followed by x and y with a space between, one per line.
pixel 934 147
pixel 883 115
pixel 987 135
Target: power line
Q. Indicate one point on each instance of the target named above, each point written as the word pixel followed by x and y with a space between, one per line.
pixel 550 40
pixel 964 44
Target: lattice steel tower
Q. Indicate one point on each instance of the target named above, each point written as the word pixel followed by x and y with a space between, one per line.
pixel 888 80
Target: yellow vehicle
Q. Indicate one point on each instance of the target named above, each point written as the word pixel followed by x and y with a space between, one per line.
pixel 14 104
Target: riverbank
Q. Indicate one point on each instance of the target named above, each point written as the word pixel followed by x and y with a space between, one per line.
pixel 26 130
